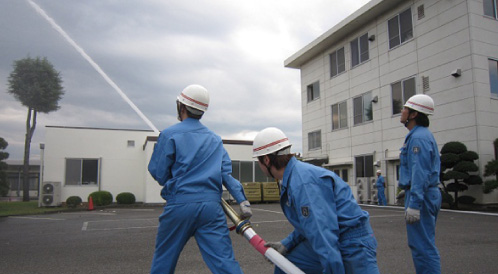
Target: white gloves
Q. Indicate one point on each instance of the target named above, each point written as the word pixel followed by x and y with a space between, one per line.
pixel 245 210
pixel 278 246
pixel 412 215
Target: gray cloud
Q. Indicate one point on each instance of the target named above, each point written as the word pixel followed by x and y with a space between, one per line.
pixel 153 49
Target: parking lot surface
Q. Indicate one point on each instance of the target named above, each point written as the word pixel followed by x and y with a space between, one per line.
pixel 121 240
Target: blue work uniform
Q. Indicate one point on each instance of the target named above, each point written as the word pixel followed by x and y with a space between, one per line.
pixel 419 177
pixel 191 164
pixel 381 196
pixel 331 232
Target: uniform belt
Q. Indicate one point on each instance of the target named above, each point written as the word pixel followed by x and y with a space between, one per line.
pixel 192 198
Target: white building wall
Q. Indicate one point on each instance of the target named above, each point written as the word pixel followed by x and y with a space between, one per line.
pixel 122 168
pixel 451 35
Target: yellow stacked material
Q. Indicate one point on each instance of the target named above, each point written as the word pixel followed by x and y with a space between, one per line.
pixel 253 191
pixel 270 192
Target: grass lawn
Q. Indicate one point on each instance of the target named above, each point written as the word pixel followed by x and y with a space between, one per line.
pixel 26 208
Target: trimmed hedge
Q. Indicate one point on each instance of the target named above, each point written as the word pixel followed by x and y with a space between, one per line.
pixel 73 201
pixel 101 198
pixel 125 198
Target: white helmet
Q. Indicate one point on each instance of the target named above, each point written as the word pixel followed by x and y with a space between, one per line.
pixel 195 96
pixel 270 140
pixel 379 171
pixel 421 103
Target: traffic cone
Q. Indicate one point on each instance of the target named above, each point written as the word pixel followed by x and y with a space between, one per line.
pixel 90 203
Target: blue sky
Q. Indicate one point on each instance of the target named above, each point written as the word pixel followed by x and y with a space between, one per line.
pixel 152 49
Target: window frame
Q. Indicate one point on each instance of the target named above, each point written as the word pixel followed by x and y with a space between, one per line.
pixel 367 169
pixel 363 114
pixel 357 52
pixel 81 171
pixel 313 91
pixel 400 34
pixel 335 62
pixel 493 8
pixel 493 77
pixel 312 143
pixel 404 96
pixel 341 121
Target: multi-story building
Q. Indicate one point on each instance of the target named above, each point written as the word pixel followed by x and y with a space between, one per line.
pixel 356 77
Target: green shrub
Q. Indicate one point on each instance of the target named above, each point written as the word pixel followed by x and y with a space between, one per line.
pixel 125 198
pixel 73 201
pixel 101 198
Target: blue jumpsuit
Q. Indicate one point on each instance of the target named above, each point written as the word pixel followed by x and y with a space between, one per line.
pixel 381 197
pixel 331 232
pixel 419 177
pixel 191 164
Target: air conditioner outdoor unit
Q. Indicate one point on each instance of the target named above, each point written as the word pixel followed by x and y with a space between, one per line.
pixel 51 194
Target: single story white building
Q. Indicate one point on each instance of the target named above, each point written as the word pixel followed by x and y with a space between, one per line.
pixel 77 161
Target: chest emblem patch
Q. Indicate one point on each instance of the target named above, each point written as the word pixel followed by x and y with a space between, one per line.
pixel 305 211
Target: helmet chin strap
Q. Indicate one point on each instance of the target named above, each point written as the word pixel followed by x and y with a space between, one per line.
pixel 179 110
pixel 407 121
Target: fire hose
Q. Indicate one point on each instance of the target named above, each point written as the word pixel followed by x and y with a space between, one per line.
pixel 244 228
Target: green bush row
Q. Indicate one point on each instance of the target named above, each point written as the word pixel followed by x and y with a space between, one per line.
pixel 102 198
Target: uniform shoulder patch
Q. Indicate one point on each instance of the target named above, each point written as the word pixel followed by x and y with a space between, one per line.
pixel 305 211
pixel 416 149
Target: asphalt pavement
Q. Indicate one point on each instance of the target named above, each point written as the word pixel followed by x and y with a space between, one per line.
pixel 121 240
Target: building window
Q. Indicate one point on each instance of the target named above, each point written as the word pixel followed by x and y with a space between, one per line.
pixel 315 140
pixel 364 166
pixel 490 8
pixel 243 171
pixel 401 91
pixel 337 62
pixel 313 91
pixel 343 173
pixel 339 116
pixel 359 50
pixel 362 108
pixel 493 76
pixel 82 172
pixel 131 143
pixel 400 28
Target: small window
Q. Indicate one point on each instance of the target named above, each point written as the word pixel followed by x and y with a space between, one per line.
pixel 401 92
pixel 82 172
pixel 337 62
pixel 131 143
pixel 493 76
pixel 359 50
pixel 490 8
pixel 362 108
pixel 344 175
pixel 339 116
pixel 236 170
pixel 315 140
pixel 400 28
pixel 313 91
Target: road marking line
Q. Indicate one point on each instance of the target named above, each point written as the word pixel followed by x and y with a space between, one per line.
pixel 37 218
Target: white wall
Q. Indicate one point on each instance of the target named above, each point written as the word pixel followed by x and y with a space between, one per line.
pixel 123 168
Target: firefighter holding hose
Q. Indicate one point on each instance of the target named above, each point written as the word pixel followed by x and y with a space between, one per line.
pixel 191 164
pixel 332 234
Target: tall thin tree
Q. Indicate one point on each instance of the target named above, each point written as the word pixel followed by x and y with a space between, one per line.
pixel 38 86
